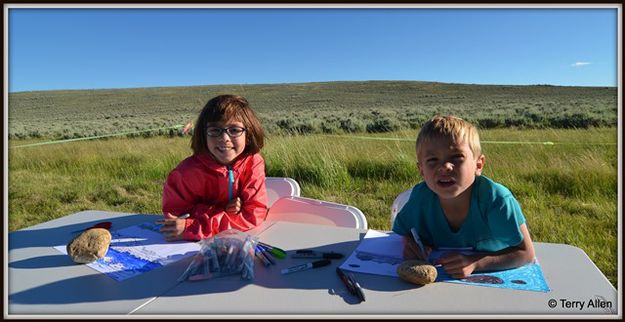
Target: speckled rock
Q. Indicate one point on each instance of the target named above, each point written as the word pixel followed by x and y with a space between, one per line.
pixel 417 272
pixel 89 245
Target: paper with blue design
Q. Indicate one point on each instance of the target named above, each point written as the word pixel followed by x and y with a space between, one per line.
pixel 138 249
pixel 380 253
pixel 528 277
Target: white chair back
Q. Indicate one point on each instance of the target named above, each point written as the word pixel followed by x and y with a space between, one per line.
pixel 399 203
pixel 278 187
pixel 312 211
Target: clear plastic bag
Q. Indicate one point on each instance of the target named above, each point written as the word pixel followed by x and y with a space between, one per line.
pixel 227 253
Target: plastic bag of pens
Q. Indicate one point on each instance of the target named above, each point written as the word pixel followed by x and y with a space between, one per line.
pixel 227 253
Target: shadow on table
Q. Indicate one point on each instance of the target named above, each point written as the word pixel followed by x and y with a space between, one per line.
pixel 59 260
pixel 60 234
pixel 152 283
pixel 29 247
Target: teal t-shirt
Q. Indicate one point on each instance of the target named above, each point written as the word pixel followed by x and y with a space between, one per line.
pixel 492 224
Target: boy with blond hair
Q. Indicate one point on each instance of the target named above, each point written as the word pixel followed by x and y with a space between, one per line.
pixel 456 207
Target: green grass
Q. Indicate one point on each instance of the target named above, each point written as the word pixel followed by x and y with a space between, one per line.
pixel 568 190
pixel 324 107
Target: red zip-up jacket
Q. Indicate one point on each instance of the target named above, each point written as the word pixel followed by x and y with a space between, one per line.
pixel 199 186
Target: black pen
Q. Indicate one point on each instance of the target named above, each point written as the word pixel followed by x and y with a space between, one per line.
pixel 352 286
pixel 309 253
pixel 346 280
pixel 359 291
pixel 319 263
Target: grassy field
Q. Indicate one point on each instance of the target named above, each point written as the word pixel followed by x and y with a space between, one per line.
pixel 568 190
pixel 325 107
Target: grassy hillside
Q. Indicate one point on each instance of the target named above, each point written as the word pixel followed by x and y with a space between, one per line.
pixel 331 107
pixel 568 190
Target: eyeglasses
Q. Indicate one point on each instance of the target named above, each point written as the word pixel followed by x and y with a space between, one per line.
pixel 232 132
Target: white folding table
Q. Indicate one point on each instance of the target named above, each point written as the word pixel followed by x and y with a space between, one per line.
pixel 42 281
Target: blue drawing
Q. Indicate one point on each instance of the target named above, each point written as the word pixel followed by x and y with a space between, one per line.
pixel 528 278
pixel 120 265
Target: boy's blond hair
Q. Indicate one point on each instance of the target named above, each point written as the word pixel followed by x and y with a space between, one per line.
pixel 450 127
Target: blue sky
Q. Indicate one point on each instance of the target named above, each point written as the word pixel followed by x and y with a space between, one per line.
pixel 54 48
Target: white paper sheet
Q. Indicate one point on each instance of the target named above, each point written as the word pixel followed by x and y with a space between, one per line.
pixel 138 249
pixel 378 253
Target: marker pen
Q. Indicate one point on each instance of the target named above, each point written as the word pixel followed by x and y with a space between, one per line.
pixel 273 250
pixel 230 182
pixel 265 253
pixel 417 240
pixel 348 283
pixel 261 256
pixel 308 253
pixel 302 267
pixel 359 291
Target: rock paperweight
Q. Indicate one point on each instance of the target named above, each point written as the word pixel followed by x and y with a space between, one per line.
pixel 89 246
pixel 417 272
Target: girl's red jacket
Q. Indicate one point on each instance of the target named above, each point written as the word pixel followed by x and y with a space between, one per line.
pixel 199 186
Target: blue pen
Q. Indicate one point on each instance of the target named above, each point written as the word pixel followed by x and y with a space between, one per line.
pixel 417 240
pixel 273 250
pixel 259 253
pixel 230 182
pixel 265 252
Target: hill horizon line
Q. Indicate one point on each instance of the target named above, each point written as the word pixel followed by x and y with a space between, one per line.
pixel 305 83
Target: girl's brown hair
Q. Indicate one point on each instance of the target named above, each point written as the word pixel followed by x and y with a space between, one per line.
pixel 227 108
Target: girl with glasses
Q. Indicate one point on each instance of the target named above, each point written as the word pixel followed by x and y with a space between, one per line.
pixel 222 185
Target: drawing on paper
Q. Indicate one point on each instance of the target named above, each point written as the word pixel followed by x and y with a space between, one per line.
pixel 138 249
pixel 380 253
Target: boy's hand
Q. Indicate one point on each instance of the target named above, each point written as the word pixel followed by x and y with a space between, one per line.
pixel 412 251
pixel 172 227
pixel 234 206
pixel 458 265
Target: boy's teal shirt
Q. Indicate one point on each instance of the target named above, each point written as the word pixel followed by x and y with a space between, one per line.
pixel 492 224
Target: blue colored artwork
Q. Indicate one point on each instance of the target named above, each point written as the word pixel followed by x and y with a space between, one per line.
pixel 138 249
pixel 380 253
pixel 121 265
pixel 528 277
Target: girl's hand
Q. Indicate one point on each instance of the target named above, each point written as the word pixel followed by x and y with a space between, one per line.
pixel 172 227
pixel 234 206
pixel 412 251
pixel 458 265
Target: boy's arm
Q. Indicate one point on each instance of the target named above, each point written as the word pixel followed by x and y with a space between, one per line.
pixel 458 265
pixel 400 227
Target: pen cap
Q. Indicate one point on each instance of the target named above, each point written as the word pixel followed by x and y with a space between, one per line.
pixel 332 255
pixel 320 263
pixel 307 253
